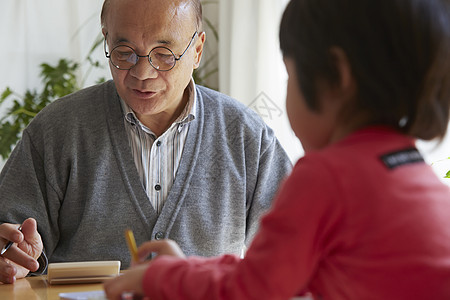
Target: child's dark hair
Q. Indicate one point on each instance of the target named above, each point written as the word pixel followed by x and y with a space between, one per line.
pixel 398 52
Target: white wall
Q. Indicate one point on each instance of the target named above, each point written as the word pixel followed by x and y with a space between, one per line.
pixel 251 65
pixel 438 156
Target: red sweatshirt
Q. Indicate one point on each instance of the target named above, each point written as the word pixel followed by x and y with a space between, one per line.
pixel 364 218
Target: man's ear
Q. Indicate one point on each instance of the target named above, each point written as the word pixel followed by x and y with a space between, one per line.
pixel 199 49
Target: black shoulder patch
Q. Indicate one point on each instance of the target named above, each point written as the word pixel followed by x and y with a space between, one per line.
pixel 402 157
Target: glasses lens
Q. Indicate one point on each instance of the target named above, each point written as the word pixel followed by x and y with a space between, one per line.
pixel 123 57
pixel 162 58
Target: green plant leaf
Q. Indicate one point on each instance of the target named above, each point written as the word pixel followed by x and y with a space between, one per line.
pixel 447 175
pixel 9 135
pixel 6 93
pixel 100 80
pixel 58 81
pixel 24 111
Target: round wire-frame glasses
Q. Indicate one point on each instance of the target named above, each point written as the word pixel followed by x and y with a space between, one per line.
pixel 161 58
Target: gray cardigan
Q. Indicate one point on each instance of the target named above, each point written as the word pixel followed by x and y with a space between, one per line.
pixel 74 173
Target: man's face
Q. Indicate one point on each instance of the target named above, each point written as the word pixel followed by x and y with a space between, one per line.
pixel 144 25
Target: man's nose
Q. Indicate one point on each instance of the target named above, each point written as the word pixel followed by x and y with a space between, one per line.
pixel 143 69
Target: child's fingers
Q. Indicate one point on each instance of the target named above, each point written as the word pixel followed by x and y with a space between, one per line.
pixel 130 283
pixel 163 247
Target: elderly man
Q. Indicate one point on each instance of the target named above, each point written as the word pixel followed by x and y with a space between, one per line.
pixel 149 151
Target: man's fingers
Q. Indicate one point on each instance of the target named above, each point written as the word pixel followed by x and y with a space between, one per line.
pixel 21 257
pixel 29 229
pixel 32 242
pixel 16 255
pixel 10 232
pixel 7 272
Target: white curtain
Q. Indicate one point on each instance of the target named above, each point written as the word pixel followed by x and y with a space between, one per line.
pixel 37 31
pixel 250 62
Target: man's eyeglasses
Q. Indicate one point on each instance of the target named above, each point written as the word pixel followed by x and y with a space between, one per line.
pixel 161 58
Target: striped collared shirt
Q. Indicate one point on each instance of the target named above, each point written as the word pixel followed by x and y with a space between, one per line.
pixel 157 166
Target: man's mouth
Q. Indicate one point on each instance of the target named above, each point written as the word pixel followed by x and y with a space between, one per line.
pixel 143 94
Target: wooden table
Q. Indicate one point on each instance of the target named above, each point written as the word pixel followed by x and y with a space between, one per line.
pixel 37 288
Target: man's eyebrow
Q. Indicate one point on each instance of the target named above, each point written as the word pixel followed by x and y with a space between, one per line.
pixel 124 40
pixel 165 42
pixel 121 40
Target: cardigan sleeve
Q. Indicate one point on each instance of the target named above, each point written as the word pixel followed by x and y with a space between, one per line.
pixel 274 166
pixel 25 192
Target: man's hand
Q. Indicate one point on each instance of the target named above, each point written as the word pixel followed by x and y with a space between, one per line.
pixel 131 280
pixel 21 257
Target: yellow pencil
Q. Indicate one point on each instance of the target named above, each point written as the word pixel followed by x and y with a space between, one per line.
pixel 131 242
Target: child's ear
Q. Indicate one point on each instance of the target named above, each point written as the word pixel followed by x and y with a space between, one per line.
pixel 346 86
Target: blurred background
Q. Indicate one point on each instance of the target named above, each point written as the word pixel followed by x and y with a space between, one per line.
pixel 241 59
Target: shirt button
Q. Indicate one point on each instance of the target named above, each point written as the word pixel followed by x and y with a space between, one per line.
pixel 158 143
pixel 157 187
pixel 159 235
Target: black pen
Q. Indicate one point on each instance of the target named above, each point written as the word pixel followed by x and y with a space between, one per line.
pixel 9 244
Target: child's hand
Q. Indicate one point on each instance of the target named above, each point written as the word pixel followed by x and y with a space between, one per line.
pixel 163 247
pixel 131 280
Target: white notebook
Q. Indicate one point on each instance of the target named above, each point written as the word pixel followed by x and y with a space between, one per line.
pixel 82 272
pixel 92 295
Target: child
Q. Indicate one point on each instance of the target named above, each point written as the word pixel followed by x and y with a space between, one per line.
pixel 362 216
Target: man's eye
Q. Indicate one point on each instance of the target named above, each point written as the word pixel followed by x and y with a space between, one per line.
pixel 164 57
pixel 123 55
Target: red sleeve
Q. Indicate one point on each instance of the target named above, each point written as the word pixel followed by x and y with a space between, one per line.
pixel 283 257
pixel 195 278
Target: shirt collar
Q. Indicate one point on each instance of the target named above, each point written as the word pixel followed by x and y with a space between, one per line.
pixel 188 114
